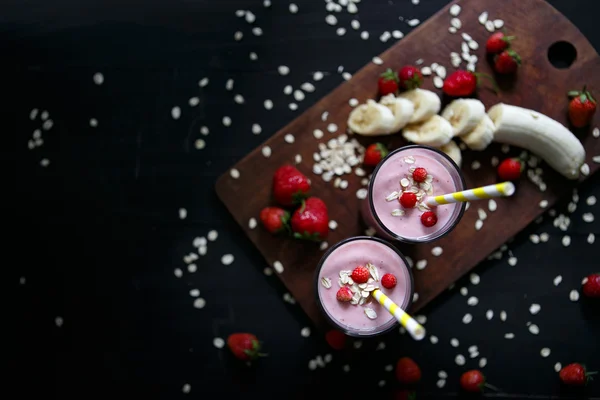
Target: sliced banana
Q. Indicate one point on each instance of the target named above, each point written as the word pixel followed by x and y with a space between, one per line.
pixel 402 109
pixel 425 102
pixel 453 151
pixel 480 137
pixel 464 115
pixel 371 119
pixel 435 132
pixel 539 134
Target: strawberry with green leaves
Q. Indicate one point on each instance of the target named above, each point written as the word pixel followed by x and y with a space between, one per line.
pixel 244 346
pixel 507 62
pixel 311 220
pixel 374 154
pixel 498 42
pixel 290 186
pixel 581 108
pixel 410 77
pixel 275 219
pixel 388 83
pixel 575 374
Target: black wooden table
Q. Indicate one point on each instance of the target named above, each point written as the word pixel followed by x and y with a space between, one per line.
pixel 95 231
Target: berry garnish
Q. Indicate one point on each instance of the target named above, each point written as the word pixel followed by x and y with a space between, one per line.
pixel 419 175
pixel 388 281
pixel 408 199
pixel 429 219
pixel 360 274
pixel 344 294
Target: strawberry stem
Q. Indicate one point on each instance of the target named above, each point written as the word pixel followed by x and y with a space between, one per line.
pixel 494 84
pixel 494 388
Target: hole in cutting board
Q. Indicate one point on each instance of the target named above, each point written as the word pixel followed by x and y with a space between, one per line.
pixel 562 54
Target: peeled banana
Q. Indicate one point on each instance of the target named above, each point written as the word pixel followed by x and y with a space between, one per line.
pixel 539 134
pixel 464 115
pixel 453 151
pixel 402 109
pixel 371 118
pixel 435 132
pixel 480 137
pixel 426 104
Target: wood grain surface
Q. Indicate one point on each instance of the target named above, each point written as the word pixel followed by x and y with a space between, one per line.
pixel 539 86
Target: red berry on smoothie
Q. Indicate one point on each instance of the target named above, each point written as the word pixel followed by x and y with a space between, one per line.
pixel 429 219
pixel 388 281
pixel 408 199
pixel 344 294
pixel 419 175
pixel 360 274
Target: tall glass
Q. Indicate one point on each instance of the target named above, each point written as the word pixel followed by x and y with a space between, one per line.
pixel 347 255
pixel 381 213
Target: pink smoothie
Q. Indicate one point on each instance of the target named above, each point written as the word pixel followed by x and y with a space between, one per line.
pixel 445 178
pixel 347 256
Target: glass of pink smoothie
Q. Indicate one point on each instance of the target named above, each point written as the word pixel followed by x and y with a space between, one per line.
pixel 368 317
pixel 383 210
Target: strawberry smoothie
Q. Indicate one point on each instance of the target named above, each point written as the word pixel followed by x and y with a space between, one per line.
pixel 365 317
pixel 401 182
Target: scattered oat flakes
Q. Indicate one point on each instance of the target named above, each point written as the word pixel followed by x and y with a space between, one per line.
pixel 464 291
pixel 591 238
pixel 454 342
pixel 557 366
pixel 503 315
pixel 218 342
pixel 467 318
pixel 460 360
pixel 489 314
pixel 472 301
pixel 98 79
pixel 305 332
pixel 474 278
pixel 437 251
pixel 227 259
pixel 178 272
pixel 545 352
pixel 199 303
pixel 509 336
pixel 574 295
pixel 566 240
pixel 278 266
pixel 186 388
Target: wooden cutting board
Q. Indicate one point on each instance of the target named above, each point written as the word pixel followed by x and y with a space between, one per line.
pixel 539 86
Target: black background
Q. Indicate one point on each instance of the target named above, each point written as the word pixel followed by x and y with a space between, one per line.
pixel 97 234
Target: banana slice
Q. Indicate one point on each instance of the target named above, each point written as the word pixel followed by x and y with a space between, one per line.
pixel 464 115
pixel 371 119
pixel 539 134
pixel 480 137
pixel 453 151
pixel 435 132
pixel 402 109
pixel 425 102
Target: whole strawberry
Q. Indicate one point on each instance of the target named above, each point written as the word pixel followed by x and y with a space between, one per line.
pixel 410 77
pixel 374 154
pixel 474 381
pixel 311 220
pixel 290 186
pixel 510 169
pixel 498 42
pixel 581 108
pixel 407 371
pixel 507 62
pixel 575 375
pixel 591 287
pixel 388 82
pixel 274 219
pixel 244 346
pixel 463 83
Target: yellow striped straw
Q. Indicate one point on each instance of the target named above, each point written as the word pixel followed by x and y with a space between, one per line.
pixel 504 189
pixel 415 329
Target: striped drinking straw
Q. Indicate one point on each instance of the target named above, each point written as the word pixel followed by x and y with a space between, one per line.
pixel 412 326
pixel 504 189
